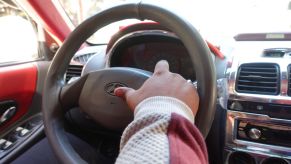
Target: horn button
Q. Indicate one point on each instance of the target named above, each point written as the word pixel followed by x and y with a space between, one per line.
pixel 97 98
pixel 110 87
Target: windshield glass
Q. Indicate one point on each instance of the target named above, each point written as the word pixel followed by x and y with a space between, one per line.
pixel 217 21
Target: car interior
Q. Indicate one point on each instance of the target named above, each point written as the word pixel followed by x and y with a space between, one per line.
pixel 56 82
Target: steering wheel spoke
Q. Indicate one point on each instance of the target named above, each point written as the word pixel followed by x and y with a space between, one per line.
pixel 70 93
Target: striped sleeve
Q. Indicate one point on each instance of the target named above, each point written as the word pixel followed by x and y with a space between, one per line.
pixel 162 131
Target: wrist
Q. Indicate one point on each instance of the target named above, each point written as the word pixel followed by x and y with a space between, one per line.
pixel 163 105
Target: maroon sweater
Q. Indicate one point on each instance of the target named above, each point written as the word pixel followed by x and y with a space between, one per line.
pixel 163 131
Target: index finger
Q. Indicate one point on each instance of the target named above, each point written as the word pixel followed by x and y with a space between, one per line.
pixel 161 67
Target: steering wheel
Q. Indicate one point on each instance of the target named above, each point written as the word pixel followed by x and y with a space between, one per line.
pixel 93 91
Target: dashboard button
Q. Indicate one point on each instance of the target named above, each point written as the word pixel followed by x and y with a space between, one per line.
pixel 254 133
pixel 6 145
pixel 18 129
pixel 2 141
pixel 236 106
pixel 23 132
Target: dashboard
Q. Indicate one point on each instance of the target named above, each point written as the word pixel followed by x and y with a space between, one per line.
pixel 258 104
pixel 137 49
pixel 254 93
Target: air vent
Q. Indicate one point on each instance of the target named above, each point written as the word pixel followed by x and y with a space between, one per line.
pixel 258 78
pixel 73 71
pixel 289 80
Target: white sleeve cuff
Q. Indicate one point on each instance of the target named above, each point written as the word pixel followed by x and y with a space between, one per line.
pixel 163 105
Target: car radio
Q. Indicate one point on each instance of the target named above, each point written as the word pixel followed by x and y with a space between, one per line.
pixel 266 133
pixel 270 109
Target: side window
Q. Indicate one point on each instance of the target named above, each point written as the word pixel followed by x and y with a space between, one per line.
pixel 18 38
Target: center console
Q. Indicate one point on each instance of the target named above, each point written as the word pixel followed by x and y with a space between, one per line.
pixel 258 104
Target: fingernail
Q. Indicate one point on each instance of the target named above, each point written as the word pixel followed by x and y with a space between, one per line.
pixel 118 92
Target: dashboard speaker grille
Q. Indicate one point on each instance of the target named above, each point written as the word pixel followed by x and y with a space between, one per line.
pixel 258 78
pixel 73 71
pixel 289 80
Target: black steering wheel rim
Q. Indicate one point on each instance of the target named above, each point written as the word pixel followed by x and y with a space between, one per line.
pixel 199 54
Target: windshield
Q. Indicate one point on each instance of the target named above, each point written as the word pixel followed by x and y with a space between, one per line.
pixel 216 20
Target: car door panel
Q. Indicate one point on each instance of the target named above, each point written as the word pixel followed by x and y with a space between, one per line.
pixel 22 84
pixel 18 84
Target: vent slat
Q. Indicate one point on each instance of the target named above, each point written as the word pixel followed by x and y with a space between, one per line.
pixel 258 87
pixel 73 71
pixel 255 81
pixel 263 78
pixel 259 84
pixel 255 72
pixel 271 70
pixel 76 68
pixel 258 78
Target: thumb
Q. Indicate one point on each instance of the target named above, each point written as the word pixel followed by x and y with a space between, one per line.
pixel 123 92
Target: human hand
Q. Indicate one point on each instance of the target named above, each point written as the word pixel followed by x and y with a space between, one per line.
pixel 162 83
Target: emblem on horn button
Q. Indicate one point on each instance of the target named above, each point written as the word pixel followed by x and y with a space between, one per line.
pixel 110 87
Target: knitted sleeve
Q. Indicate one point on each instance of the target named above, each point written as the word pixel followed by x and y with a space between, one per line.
pixel 163 131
